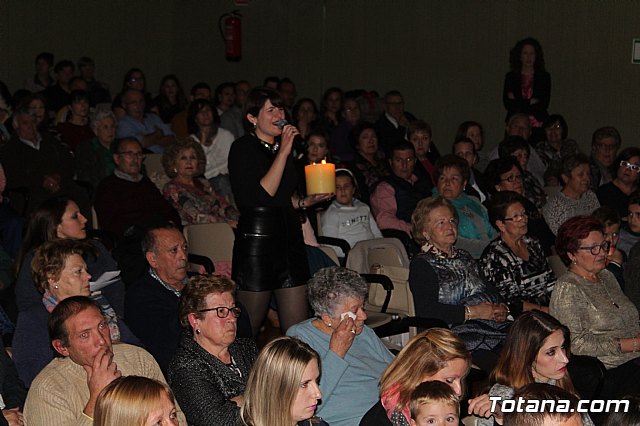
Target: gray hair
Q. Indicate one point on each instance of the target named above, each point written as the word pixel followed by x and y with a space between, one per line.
pixel 330 286
pixel 100 114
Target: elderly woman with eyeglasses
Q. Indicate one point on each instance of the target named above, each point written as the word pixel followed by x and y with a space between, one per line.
pixel 626 175
pixel 515 263
pixel 588 300
pixel 210 369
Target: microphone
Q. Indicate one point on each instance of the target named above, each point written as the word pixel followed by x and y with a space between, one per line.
pixel 298 142
pixel 281 123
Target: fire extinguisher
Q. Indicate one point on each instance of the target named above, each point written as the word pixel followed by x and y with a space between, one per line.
pixel 231 31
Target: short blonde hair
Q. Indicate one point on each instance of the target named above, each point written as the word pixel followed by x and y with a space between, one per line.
pixel 50 259
pixel 129 400
pixel 432 392
pixel 274 381
pixel 421 214
pixel 172 152
pixel 424 355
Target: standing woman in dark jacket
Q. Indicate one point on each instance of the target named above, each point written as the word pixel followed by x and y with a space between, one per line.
pixel 269 255
pixel 527 87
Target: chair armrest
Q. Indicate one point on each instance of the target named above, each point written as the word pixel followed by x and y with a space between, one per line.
pixel 332 241
pixel 204 261
pixel 386 284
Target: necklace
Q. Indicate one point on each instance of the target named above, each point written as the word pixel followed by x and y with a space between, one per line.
pixel 603 286
pixel 273 148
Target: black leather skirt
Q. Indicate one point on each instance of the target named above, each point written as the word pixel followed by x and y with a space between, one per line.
pixel 269 251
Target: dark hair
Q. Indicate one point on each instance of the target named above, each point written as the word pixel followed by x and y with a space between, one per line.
pixel 630 417
pixel 221 87
pixel 572 231
pixel 500 203
pixel 118 142
pixel 511 144
pixel 194 109
pixel 624 155
pixel 452 161
pixel 84 61
pixel 62 312
pixel 256 100
pixel 465 126
pixel 460 140
pixel 285 80
pixel 496 168
pixel 328 92
pixel 552 119
pixel 198 86
pixel 573 161
pixel 417 126
pixel 607 216
pixel 298 104
pixel 348 173
pixel 605 132
pixel 128 75
pixel 65 63
pixel 77 96
pixel 356 131
pixel 148 243
pixel 516 51
pixel 403 146
pixel 270 79
pixel 634 197
pixel 163 101
pixel 45 56
pixel 194 294
pixel 524 340
pixel 392 93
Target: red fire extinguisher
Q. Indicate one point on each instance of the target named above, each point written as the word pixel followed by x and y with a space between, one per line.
pixel 231 31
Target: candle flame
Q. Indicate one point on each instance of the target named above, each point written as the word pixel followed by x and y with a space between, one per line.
pixel 323 162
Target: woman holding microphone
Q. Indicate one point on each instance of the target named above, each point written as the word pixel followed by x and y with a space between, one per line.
pixel 269 255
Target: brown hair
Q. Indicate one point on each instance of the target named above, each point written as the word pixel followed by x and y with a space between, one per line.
pixel 194 294
pixel 50 258
pixel 173 151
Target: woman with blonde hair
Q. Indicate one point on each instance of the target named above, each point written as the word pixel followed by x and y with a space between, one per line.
pixel 435 354
pixel 282 388
pixel 135 401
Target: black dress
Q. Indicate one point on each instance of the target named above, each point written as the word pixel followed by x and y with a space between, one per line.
pixel 269 250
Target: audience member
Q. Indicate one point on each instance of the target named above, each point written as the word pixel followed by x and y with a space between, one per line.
pixel 12 391
pixel 288 93
pixel 563 411
pixel 37 107
pixel 135 400
pixel 514 263
pixel 170 100
pixel 230 115
pixel 395 197
pixel 127 198
pixel 57 95
pixel 347 217
pixel 59 271
pixel 330 109
pixel 94 160
pixel 304 115
pixel 419 134
pixel 605 144
pixel 76 129
pixel 203 126
pixel 447 283
pixel 610 220
pixel 575 198
pixel 41 80
pixel 625 171
pixel 436 354
pixel 588 300
pixel 193 197
pixel 434 402
pixel 11 226
pixel 209 371
pixel 391 127
pixel 40 163
pixel 291 367
pixel 134 78
pixel 517 147
pixel 146 127
pixel 179 123
pixel 555 147
pixel 474 131
pixel 65 392
pixel 630 232
pixel 151 303
pixel 339 144
pixel 97 90
pixel 353 357
pixel 630 417
pixel 472 220
pixel 476 187
pixel 242 89
pixel 369 165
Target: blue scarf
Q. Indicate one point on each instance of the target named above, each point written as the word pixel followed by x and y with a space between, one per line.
pixel 466 207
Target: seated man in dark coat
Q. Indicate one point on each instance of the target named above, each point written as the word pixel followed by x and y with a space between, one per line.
pixel 39 162
pixel 391 127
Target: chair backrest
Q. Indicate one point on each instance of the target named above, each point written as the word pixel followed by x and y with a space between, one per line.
pixel 214 240
pixel 155 170
pixel 382 251
pixel 94 218
pixel 331 253
pixel 557 265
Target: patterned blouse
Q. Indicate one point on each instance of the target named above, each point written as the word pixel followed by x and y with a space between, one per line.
pixel 517 279
pixel 199 203
pixel 560 208
pixel 532 190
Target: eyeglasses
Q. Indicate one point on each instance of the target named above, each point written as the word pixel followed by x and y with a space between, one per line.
pixel 634 214
pixel 132 154
pixel 630 166
pixel 223 311
pixel 517 217
pixel 596 249
pixel 512 178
